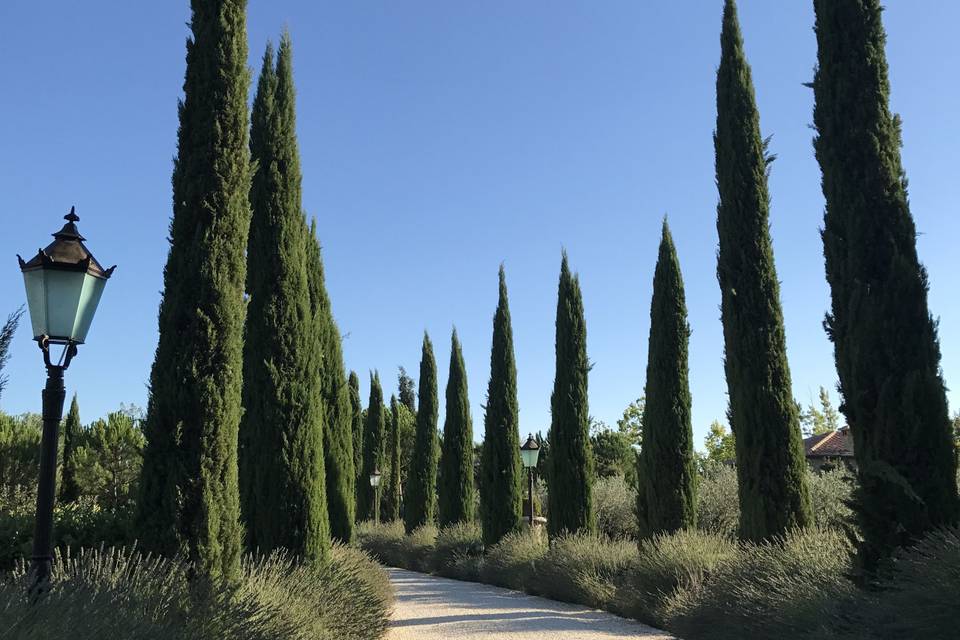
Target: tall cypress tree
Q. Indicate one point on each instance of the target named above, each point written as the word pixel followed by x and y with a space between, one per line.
pixel 338 428
pixel 392 504
pixel 282 460
pixel 885 342
pixel 666 467
pixel 763 415
pixel 420 499
pixel 373 441
pixel 356 427
pixel 408 391
pixel 500 493
pixel 189 500
pixel 69 488
pixel 455 486
pixel 570 469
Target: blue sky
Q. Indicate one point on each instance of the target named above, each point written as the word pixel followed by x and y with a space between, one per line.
pixel 439 139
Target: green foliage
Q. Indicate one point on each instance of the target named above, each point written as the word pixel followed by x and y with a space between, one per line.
pixel 407 389
pixel 570 471
pixel 68 486
pixel 718 506
pixel 664 565
pixel 459 550
pixel 500 468
pixel 118 593
pixel 774 497
pixel 19 460
pixel 373 448
pixel 615 502
pixel 420 497
pixel 795 587
pixel 338 426
pixel 356 428
pixel 631 422
pixel 281 435
pixel 512 562
pixel 391 500
pixel 822 419
pixel 666 468
pixel 583 568
pixel 7 332
pixel 455 488
pixel 189 500
pixel 613 454
pixel 108 459
pixel 721 446
pixel 885 341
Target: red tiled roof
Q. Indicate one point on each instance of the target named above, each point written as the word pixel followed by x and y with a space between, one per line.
pixel 835 444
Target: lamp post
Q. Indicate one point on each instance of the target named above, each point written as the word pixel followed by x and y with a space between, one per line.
pixel 64 283
pixel 375 483
pixel 529 452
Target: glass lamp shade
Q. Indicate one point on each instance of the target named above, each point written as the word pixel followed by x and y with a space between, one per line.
pixel 530 452
pixel 64 283
pixel 375 479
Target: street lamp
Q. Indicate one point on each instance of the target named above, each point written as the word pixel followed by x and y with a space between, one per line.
pixel 529 453
pixel 375 483
pixel 64 283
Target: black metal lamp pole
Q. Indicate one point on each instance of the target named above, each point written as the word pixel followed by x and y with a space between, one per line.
pixel 53 395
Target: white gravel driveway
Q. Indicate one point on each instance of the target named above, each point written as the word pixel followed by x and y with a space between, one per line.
pixel 428 607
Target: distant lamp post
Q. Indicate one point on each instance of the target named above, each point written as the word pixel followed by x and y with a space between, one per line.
pixel 529 453
pixel 375 483
pixel 64 283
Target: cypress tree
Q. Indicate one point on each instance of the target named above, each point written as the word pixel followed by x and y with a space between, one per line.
pixel 69 488
pixel 408 391
pixel 356 427
pixel 392 504
pixel 420 498
pixel 338 428
pixel 885 341
pixel 373 441
pixel 666 468
pixel 763 415
pixel 282 459
pixel 455 486
pixel 500 493
pixel 189 499
pixel 570 470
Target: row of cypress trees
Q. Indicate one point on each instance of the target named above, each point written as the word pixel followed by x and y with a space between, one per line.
pixel 284 473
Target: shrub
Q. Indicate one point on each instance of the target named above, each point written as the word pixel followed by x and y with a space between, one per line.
pixel 383 541
pixel 513 561
pixel 458 551
pixel 830 492
pixel 793 588
pixel 122 594
pixel 77 525
pixel 418 548
pixel 718 507
pixel 614 503
pixel 665 564
pixel 582 569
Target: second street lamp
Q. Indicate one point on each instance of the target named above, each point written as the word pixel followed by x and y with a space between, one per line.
pixel 375 483
pixel 64 283
pixel 529 453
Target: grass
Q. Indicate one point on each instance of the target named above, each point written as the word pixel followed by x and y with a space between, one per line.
pixel 117 593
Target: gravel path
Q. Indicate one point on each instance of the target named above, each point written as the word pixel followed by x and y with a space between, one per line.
pixel 428 607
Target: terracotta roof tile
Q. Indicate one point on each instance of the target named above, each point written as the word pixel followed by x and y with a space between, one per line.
pixel 835 444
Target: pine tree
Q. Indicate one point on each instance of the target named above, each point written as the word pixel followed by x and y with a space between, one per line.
pixel 420 497
pixel 356 422
pixel 455 486
pixel 69 487
pixel 373 449
pixel 885 341
pixel 408 391
pixel 570 473
pixel 500 493
pixel 189 499
pixel 338 428
pixel 392 499
pixel 763 415
pixel 282 459
pixel 666 468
